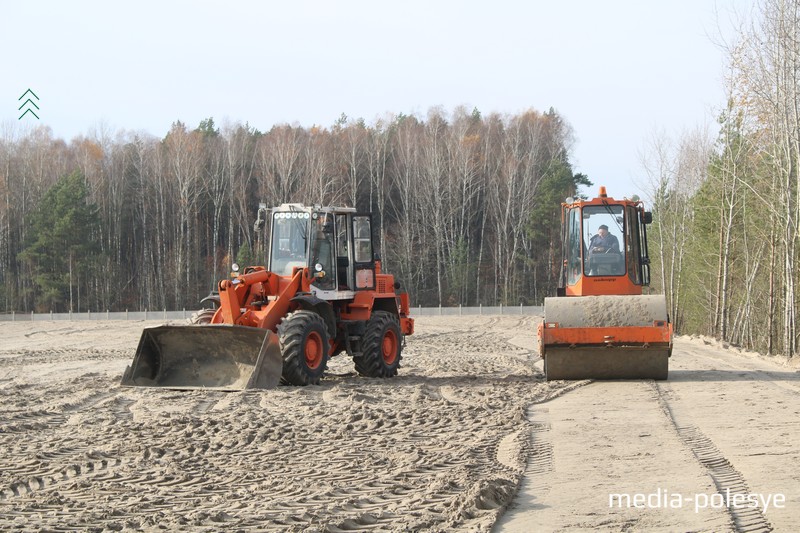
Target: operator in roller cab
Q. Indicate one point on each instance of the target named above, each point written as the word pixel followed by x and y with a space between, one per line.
pixel 604 243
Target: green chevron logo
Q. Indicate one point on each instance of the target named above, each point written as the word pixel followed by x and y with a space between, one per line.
pixel 28 109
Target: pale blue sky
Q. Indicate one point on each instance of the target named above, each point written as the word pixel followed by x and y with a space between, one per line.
pixel 616 70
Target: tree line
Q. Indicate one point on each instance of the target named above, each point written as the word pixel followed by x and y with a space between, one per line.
pixel 465 206
pixel 727 229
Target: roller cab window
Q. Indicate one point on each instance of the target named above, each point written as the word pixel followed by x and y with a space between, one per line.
pixel 604 234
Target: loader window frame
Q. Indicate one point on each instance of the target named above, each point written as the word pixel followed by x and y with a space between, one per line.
pixel 289 244
pixel 363 256
pixel 322 251
pixel 344 275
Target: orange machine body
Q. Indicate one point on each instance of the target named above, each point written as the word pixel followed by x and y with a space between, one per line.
pixel 260 298
pixel 599 302
pixel 321 293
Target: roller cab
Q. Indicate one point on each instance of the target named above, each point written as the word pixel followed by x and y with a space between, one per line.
pixel 600 326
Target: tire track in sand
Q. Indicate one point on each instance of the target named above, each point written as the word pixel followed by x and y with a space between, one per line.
pixel 727 479
pixel 440 447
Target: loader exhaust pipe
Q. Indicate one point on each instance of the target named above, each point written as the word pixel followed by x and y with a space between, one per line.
pixel 221 357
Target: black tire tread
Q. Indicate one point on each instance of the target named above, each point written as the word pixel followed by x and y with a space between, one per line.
pixel 370 361
pixel 292 333
pixel 203 316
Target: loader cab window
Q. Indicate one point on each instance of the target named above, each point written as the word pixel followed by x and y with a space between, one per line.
pixel 364 263
pixel 322 263
pixel 289 244
pixel 342 254
pixel 604 232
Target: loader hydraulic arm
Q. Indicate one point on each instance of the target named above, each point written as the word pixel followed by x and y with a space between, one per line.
pixel 233 292
pixel 274 293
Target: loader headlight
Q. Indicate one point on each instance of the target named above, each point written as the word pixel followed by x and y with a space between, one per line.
pixel 570 200
pixel 235 267
pixel 318 267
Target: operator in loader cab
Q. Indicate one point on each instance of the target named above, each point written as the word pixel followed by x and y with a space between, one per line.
pixel 603 242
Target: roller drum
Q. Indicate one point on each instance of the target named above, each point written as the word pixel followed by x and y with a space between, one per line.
pixel 627 354
pixel 605 311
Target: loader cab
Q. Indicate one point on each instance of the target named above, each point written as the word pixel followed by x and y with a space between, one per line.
pixel 604 245
pixel 334 243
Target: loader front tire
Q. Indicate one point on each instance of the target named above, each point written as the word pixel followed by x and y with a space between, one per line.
pixel 304 345
pixel 203 316
pixel 381 347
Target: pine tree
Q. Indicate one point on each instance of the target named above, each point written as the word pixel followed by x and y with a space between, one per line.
pixel 63 249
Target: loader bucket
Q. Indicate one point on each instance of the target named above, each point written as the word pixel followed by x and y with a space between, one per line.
pixel 606 337
pixel 219 357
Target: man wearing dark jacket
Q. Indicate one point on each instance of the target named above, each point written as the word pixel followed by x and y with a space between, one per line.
pixel 603 242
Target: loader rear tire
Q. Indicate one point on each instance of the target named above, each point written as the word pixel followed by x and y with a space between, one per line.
pixel 203 316
pixel 381 347
pixel 304 345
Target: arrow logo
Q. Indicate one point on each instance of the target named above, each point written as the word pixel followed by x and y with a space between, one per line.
pixel 26 102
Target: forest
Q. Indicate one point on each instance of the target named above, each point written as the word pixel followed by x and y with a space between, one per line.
pixel 465 205
pixel 727 209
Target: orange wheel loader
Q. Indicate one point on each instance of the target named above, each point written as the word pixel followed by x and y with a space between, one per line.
pixel 321 293
pixel 600 326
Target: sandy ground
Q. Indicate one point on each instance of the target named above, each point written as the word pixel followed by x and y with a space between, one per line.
pixel 441 447
pixel 726 423
pixel 467 438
